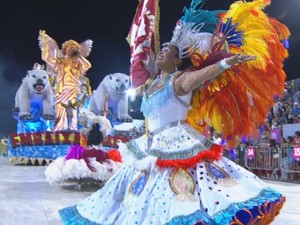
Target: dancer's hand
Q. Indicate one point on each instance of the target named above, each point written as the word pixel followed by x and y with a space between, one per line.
pixel 239 58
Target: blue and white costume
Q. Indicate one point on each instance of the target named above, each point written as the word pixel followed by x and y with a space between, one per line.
pixel 204 191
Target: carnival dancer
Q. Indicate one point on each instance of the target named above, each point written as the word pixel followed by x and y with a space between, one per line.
pixel 89 162
pixel 173 174
pixel 69 64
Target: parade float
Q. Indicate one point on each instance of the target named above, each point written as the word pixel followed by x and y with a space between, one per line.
pixel 35 141
pixel 55 107
pixel 47 102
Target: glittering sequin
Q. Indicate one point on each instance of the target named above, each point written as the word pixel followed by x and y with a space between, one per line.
pixel 165 144
pixel 158 98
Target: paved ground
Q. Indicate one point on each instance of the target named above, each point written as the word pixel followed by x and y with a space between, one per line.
pixel 27 199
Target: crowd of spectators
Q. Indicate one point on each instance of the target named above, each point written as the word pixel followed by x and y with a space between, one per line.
pixel 286 109
pixel 273 159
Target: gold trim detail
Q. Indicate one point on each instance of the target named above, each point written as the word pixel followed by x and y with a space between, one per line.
pixel 182 184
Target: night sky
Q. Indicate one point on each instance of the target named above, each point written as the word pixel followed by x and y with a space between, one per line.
pixel 106 22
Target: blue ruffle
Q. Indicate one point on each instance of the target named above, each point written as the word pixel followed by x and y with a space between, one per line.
pixel 192 219
pixel 70 216
pixel 225 216
pixel 266 195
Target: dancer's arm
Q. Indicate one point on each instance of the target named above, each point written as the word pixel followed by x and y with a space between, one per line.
pixel 189 81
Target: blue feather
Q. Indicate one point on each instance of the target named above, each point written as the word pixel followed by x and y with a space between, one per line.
pixel 233 37
pixel 196 15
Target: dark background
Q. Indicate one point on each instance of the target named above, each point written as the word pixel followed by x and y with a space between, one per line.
pixel 106 22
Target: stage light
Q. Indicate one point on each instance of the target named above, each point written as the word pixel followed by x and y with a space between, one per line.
pixel 131 93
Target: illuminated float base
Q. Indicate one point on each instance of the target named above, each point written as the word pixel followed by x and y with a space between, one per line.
pixel 39 148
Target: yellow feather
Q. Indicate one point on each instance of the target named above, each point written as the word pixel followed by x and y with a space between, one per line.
pixel 216 120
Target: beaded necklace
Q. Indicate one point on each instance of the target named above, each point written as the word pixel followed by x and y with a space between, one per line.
pixel 161 83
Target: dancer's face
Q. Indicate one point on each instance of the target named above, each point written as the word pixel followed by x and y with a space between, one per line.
pixel 167 58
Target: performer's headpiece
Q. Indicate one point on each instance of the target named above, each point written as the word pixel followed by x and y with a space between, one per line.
pixel 75 52
pixel 193 31
pixel 69 43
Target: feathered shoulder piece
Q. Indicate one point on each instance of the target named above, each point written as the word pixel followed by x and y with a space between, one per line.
pixel 237 102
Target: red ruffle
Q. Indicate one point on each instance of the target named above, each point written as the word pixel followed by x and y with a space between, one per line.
pixel 114 155
pixel 214 153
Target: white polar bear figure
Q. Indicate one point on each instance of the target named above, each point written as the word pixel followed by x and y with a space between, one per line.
pixel 111 93
pixel 35 91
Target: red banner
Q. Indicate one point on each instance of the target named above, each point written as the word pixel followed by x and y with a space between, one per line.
pixel 143 39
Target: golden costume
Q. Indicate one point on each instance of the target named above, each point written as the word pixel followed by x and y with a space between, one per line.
pixel 69 64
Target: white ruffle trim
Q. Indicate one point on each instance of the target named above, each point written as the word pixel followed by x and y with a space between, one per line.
pixel 60 170
pixel 148 163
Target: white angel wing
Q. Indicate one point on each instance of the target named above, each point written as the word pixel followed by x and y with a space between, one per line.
pixel 52 73
pixel 48 45
pixel 86 47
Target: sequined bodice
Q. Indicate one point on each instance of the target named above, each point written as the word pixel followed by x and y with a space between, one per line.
pixel 163 106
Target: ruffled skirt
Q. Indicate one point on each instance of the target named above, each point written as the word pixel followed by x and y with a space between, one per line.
pixel 200 195
pixel 165 187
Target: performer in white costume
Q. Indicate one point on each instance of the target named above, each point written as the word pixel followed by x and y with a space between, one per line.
pixel 173 174
pixel 88 162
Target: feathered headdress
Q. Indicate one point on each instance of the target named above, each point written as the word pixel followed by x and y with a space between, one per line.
pixel 193 31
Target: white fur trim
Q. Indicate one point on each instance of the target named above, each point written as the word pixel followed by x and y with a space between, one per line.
pixel 60 170
pixel 147 163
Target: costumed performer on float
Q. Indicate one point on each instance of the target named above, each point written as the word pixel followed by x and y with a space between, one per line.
pixel 85 92
pixel 219 67
pixel 69 64
pixel 86 162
